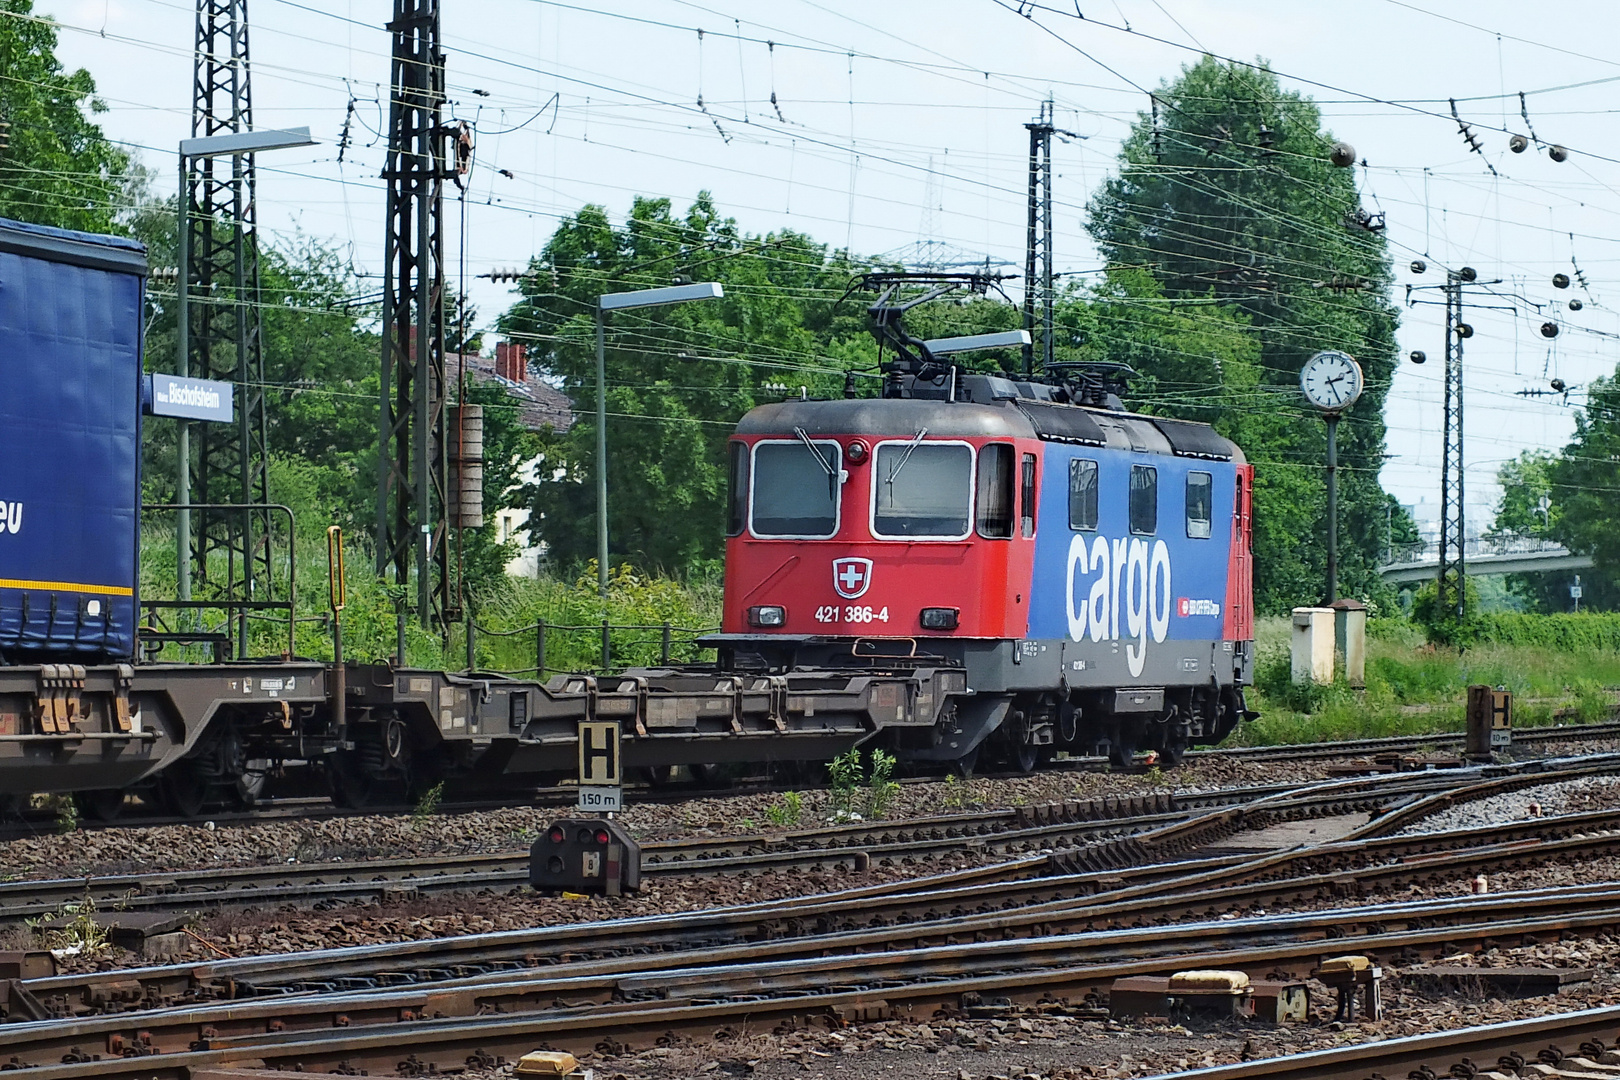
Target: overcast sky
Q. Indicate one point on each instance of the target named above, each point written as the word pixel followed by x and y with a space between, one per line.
pixel 901 123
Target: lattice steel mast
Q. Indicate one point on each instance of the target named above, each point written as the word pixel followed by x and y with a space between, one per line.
pixel 1450 580
pixel 412 475
pixel 1038 245
pixel 222 274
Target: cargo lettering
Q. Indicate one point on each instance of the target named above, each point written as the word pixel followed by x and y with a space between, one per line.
pixel 11 517
pixel 1133 580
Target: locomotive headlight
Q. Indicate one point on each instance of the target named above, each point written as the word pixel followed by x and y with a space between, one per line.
pixel 940 618
pixel 856 452
pixel 767 615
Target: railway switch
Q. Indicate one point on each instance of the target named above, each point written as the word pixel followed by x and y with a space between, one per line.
pixel 587 855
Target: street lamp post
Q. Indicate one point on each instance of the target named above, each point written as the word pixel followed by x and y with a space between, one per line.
pixel 234 145
pixel 674 294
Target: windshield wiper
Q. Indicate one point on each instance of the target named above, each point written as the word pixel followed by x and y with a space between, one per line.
pixel 825 465
pixel 905 457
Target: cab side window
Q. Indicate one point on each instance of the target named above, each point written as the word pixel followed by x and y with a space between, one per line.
pixel 1144 500
pixel 737 482
pixel 1026 497
pixel 995 494
pixel 1082 494
pixel 1200 499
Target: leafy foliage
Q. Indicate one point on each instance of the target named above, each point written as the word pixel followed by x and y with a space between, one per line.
pixel 1229 197
pixel 56 167
pixel 679 377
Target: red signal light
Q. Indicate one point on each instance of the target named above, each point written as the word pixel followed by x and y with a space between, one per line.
pixel 602 836
pixel 556 835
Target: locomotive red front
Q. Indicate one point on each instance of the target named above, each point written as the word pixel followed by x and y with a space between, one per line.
pixel 1089 567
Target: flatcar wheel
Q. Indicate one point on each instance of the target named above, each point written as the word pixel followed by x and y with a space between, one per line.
pixel 1025 756
pixel 658 776
pixel 1174 750
pixel 182 793
pixel 349 785
pixel 103 805
pixel 248 788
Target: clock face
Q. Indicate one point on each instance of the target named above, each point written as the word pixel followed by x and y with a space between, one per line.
pixel 1331 381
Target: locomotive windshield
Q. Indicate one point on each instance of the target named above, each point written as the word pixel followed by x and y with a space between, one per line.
pixel 923 490
pixel 796 488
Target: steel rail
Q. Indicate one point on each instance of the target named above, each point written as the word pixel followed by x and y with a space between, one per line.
pixel 996 832
pixel 1559 1039
pixel 759 997
pixel 936 910
pixel 778 968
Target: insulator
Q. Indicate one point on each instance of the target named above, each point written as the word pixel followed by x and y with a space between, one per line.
pixel 1417 356
pixel 1518 143
pixel 1549 329
pixel 465 438
pixel 1558 385
pixel 1560 281
pixel 1575 305
pixel 1343 155
pixel 1418 266
pixel 1464 330
pixel 1467 273
pixel 1558 153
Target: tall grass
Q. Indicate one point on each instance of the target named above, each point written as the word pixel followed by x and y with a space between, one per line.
pixel 505 613
pixel 1414 688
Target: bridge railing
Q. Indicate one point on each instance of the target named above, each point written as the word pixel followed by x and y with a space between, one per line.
pixel 1479 547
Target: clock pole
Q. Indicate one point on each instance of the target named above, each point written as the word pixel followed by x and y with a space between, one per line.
pixel 1332 509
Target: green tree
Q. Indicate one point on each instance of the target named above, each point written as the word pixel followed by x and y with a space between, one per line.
pixel 56 166
pixel 1228 196
pixel 678 378
pixel 1582 485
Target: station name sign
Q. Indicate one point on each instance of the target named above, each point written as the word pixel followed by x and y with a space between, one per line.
pixel 191 399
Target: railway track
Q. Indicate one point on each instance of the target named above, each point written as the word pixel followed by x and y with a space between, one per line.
pixel 1044 933
pixel 1086 825
pixel 310 808
pixel 1033 897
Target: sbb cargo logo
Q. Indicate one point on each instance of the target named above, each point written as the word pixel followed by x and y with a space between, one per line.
pixel 1186 607
pixel 1132 577
pixel 11 517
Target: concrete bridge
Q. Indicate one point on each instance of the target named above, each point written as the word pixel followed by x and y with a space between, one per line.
pixel 1496 555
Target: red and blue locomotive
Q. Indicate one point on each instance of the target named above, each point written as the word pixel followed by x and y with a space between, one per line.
pixel 1089 568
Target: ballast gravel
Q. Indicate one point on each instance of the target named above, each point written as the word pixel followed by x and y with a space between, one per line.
pixel 1545 800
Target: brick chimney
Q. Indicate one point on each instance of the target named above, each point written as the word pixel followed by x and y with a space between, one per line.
pixel 512 361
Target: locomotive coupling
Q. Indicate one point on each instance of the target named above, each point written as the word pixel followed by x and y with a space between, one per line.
pixel 585 855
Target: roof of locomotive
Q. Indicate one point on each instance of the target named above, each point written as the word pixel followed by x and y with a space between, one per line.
pixel 995 406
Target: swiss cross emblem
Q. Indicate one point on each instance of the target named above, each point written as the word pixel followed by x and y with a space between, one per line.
pixel 852 577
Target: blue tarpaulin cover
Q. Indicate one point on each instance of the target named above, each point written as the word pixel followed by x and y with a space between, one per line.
pixel 70 384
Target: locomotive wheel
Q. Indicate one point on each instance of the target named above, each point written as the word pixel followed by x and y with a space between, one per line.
pixel 103 805
pixel 1172 753
pixel 1122 754
pixel 1024 757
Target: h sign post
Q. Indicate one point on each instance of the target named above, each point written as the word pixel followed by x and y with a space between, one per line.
pixel 599 769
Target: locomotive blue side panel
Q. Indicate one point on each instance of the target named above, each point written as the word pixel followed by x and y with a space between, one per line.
pixel 70 367
pixel 1142 587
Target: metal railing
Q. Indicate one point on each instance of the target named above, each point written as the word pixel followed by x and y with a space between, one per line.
pixel 1427 551
pixel 668 636
pixel 237 607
